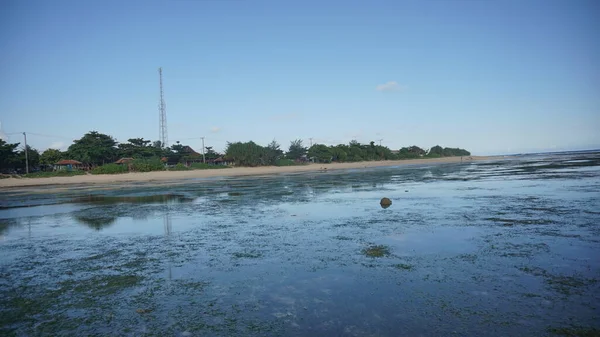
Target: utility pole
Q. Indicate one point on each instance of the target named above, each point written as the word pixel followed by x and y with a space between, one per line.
pixel 380 141
pixel 26 155
pixel 203 157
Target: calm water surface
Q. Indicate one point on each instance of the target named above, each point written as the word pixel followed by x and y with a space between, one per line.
pixel 507 248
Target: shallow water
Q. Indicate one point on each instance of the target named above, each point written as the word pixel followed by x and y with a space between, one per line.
pixel 486 248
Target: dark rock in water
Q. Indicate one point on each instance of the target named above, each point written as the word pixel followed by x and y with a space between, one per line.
pixel 376 251
pixel 385 203
pixel 405 190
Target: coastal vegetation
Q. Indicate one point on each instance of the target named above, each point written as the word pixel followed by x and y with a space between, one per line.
pixel 101 154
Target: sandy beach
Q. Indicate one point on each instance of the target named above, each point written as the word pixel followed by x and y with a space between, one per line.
pixel 161 177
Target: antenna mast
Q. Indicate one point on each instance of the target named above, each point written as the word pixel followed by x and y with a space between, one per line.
pixel 162 109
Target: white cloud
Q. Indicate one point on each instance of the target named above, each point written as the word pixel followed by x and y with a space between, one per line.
pixel 59 146
pixel 390 86
pixel 215 129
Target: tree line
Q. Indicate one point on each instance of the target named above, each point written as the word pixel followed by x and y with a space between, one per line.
pixel 252 154
pixel 96 149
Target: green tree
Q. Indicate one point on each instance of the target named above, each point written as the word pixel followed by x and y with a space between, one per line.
pixel 246 154
pixel 450 152
pixel 339 153
pixel 321 153
pixel 94 148
pixel 138 148
pixel 33 158
pixel 383 153
pixel 178 148
pixel 411 152
pixel 405 153
pixel 51 157
pixel 8 156
pixel 182 153
pixel 211 154
pixel 273 153
pixel 296 150
pixel 417 151
pixel 371 151
pixel 355 152
pixel 436 151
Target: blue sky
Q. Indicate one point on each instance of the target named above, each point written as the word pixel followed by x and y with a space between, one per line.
pixel 490 76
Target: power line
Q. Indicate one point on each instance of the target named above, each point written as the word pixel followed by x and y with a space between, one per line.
pixel 206 138
pixel 50 136
pixel 190 138
pixel 39 134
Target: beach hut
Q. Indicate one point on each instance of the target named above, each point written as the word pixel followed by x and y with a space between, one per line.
pixel 170 160
pixel 68 164
pixel 189 156
pixel 221 161
pixel 124 161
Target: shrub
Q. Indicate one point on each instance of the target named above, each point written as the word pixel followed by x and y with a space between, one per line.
pixel 204 166
pixel 147 165
pixel 61 173
pixel 285 162
pixel 180 167
pixel 110 169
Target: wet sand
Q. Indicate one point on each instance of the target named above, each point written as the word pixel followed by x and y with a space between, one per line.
pixel 490 248
pixel 163 176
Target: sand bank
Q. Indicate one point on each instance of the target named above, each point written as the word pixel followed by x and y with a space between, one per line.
pixel 162 177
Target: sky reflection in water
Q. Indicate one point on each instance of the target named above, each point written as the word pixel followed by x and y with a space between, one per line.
pixel 494 248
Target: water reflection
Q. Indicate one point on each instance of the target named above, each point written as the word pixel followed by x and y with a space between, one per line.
pixel 311 254
pixel 7 224
pixel 167 223
pixel 4 226
pixel 168 231
pixel 94 222
pixel 136 199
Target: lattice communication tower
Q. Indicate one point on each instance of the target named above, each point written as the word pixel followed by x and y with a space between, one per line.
pixel 162 109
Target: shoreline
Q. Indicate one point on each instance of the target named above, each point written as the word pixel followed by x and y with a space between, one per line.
pixel 43 184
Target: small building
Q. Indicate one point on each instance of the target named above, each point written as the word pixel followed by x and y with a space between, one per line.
pixel 189 160
pixel 124 161
pixel 68 164
pixel 189 151
pixel 170 160
pixel 304 159
pixel 221 161
pixel 189 156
